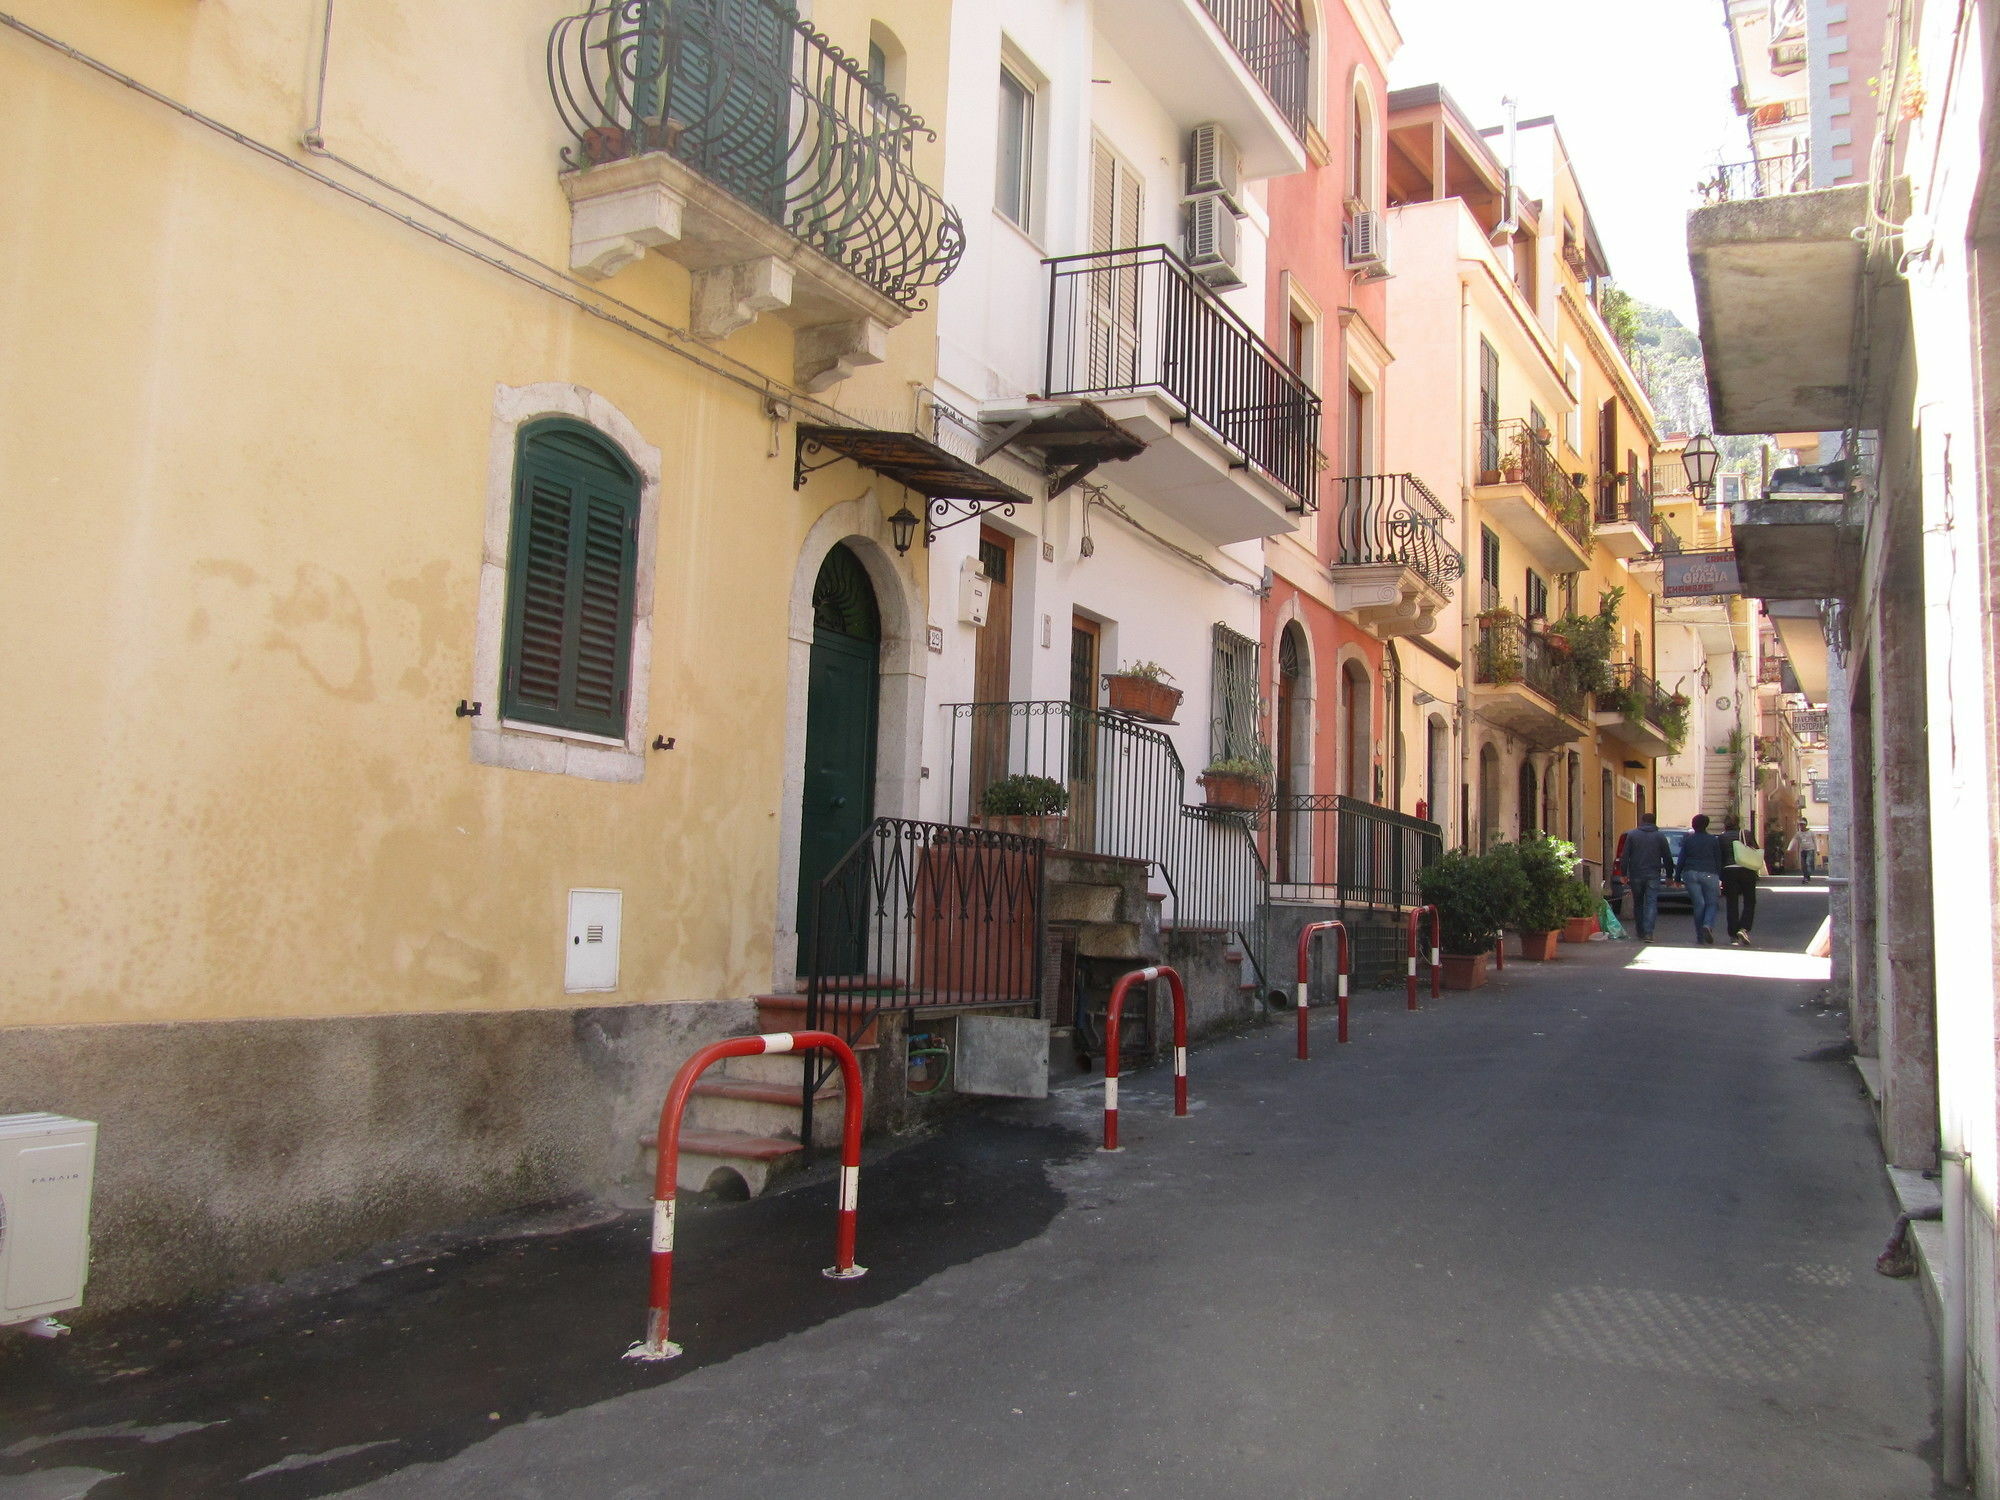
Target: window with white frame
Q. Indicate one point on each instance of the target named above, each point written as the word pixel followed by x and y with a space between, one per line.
pixel 1014 185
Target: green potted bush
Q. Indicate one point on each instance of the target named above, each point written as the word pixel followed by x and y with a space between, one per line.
pixel 1240 782
pixel 1579 911
pixel 1139 688
pixel 1546 869
pixel 1031 806
pixel 1471 893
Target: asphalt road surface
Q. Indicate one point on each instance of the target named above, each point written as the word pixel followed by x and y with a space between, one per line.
pixel 1602 1230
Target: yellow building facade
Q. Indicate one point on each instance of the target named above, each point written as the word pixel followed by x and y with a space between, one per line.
pixel 299 294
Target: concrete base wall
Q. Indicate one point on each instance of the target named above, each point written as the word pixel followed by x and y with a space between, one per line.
pixel 233 1151
pixel 1217 1001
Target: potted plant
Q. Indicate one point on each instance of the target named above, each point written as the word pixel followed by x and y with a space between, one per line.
pixel 1547 868
pixel 1579 912
pixel 1031 806
pixel 1675 722
pixel 1139 688
pixel 1470 892
pixel 1239 781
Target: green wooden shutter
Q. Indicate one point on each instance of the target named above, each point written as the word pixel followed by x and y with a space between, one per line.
pixel 572 563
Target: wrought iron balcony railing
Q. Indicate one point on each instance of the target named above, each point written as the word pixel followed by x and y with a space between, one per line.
pixel 1767 177
pixel 1394 518
pixel 1512 452
pixel 1666 541
pixel 1125 321
pixel 1509 652
pixel 1638 697
pixel 756 101
pixel 1271 38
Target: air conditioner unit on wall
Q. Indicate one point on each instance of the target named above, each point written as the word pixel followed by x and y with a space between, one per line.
pixel 1212 241
pixel 46 1165
pixel 1214 165
pixel 1368 243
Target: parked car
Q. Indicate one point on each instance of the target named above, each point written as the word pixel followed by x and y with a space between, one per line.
pixel 1672 892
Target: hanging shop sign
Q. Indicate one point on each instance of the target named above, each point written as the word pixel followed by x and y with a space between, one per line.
pixel 1683 575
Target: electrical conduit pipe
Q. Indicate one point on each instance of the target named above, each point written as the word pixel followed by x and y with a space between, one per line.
pixel 1124 986
pixel 1306 935
pixel 655 1345
pixel 1437 939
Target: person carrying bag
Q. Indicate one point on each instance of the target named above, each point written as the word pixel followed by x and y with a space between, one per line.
pixel 1739 886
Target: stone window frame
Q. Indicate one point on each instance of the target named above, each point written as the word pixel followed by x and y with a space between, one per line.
pixel 518 746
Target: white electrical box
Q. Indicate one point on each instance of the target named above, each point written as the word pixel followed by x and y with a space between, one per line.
pixel 590 948
pixel 46 1165
pixel 975 590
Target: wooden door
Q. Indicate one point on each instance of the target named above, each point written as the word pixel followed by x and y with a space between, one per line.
pixel 1085 641
pixel 992 664
pixel 838 800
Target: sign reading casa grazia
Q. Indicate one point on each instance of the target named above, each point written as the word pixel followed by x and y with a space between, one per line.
pixel 1686 574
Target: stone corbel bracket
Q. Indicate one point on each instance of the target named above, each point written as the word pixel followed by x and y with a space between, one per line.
pixel 742 266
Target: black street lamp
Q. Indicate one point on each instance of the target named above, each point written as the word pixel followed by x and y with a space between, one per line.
pixel 903 529
pixel 1699 458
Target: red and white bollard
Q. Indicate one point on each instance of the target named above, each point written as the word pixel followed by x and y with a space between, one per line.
pixel 1436 962
pixel 1112 1048
pixel 655 1345
pixel 1306 935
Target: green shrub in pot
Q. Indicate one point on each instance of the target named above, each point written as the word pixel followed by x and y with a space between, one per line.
pixel 1024 797
pixel 1472 893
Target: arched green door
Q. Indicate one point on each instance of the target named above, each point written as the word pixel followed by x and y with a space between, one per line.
pixel 839 797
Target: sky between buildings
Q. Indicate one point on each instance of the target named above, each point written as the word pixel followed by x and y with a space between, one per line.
pixel 1640 91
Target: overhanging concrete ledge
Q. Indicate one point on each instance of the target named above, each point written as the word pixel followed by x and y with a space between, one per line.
pixel 1775 281
pixel 1797 549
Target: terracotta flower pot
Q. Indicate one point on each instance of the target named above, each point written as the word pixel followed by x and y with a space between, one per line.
pixel 1464 971
pixel 1049 827
pixel 1579 929
pixel 1540 945
pixel 1230 789
pixel 1142 698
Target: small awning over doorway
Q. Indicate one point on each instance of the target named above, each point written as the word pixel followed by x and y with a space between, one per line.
pixel 910 460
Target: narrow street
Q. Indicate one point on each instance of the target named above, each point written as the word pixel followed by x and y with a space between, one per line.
pixel 1604 1228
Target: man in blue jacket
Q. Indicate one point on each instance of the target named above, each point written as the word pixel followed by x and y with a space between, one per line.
pixel 1645 861
pixel 1703 857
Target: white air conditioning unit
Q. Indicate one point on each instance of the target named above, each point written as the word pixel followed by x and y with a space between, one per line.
pixel 46 1162
pixel 1213 242
pixel 1214 165
pixel 1368 243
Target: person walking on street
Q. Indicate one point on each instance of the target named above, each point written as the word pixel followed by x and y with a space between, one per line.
pixel 1805 844
pixel 1703 856
pixel 1645 861
pixel 1739 884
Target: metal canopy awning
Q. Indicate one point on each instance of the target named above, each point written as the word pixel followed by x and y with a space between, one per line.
pixel 1072 437
pixel 906 458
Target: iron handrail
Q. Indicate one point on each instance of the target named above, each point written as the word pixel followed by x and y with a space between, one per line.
pixel 1353 852
pixel 1394 518
pixel 764 106
pixel 1511 452
pixel 1125 321
pixel 1271 38
pixel 1766 177
pixel 1508 652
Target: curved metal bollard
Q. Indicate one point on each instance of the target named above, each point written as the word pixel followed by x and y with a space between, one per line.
pixel 1111 1048
pixel 1437 940
pixel 1342 965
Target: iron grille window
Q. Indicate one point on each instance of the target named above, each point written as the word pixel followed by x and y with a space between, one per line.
pixel 1234 719
pixel 572 560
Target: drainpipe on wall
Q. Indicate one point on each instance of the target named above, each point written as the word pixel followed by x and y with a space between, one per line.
pixel 1502 238
pixel 1467 606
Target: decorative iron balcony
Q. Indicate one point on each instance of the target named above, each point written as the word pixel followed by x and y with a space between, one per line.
pixel 1767 177
pixel 1631 502
pixel 1638 697
pixel 1509 652
pixel 751 97
pixel 1271 38
pixel 1126 321
pixel 1394 518
pixel 1511 452
pixel 1666 541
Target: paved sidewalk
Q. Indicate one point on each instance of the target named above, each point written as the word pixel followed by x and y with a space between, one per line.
pixel 1604 1230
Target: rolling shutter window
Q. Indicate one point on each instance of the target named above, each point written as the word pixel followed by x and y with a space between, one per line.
pixel 572 559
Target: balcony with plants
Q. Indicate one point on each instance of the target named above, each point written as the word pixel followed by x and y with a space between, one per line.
pixel 1526 683
pixel 1242 64
pixel 1624 520
pixel 1231 431
pixel 1637 711
pixel 1394 566
pixel 1522 486
pixel 732 137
